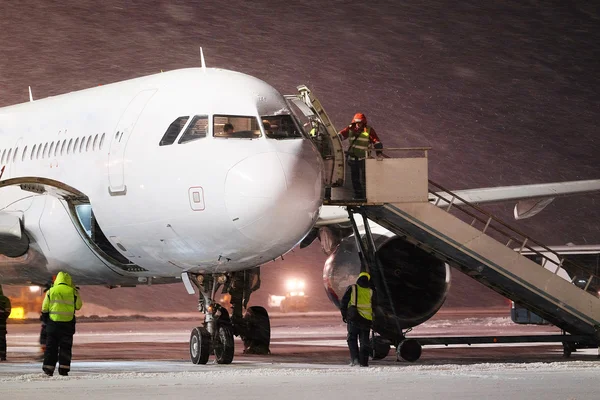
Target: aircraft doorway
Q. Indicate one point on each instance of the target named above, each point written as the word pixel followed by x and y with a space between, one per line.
pixel 85 216
pixel 316 123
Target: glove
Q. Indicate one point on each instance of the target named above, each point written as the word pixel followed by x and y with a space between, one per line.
pixel 45 317
pixel 379 147
pixel 344 319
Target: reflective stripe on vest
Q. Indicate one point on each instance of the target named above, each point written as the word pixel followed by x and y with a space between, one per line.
pixel 363 304
pixel 61 303
pixel 360 144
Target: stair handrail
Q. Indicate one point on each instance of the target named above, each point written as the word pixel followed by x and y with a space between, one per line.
pixel 562 260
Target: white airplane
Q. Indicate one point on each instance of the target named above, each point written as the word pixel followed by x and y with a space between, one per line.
pixel 166 178
pixel 138 181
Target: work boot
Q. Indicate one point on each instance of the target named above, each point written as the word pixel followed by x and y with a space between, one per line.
pixel 48 371
pixel 63 373
pixel 354 362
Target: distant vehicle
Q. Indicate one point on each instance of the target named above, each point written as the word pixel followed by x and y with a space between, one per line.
pixel 28 304
pixel 295 299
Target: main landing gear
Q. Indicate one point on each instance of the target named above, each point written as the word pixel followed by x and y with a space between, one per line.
pixel 215 336
pixel 407 349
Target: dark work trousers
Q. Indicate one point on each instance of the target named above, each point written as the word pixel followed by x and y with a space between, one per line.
pixel 355 334
pixel 3 340
pixel 43 335
pixel 59 345
pixel 357 171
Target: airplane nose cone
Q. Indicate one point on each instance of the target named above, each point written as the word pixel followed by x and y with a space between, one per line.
pixel 273 198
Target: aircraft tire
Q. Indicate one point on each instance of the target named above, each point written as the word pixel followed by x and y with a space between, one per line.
pixel 568 348
pixel 257 335
pixel 224 345
pixel 409 350
pixel 380 348
pixel 199 345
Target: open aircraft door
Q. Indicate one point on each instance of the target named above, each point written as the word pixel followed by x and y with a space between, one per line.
pixel 320 129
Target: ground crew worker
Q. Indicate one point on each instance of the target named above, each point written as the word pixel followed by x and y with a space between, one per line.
pixel 60 304
pixel 5 309
pixel 360 136
pixel 357 306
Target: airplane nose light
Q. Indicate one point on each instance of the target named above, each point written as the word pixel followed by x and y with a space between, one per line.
pixel 273 197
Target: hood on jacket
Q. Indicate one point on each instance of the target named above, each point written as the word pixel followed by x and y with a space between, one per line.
pixel 363 279
pixel 63 277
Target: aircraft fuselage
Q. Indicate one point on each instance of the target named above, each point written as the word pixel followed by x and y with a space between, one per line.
pixel 213 204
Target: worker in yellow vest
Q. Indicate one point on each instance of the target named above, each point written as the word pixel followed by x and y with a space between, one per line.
pixel 357 307
pixel 360 136
pixel 59 306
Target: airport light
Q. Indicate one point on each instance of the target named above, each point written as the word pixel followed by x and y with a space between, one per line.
pixel 294 285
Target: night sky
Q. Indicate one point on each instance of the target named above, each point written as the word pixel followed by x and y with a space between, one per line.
pixel 506 92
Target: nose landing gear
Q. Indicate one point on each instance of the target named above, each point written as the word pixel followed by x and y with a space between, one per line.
pixel 215 337
pixel 216 334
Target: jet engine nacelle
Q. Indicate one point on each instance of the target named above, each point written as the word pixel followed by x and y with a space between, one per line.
pixel 411 286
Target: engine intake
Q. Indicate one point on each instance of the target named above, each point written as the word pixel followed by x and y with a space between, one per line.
pixel 411 284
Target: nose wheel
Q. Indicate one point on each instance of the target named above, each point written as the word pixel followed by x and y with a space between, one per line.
pixel 199 345
pixel 223 345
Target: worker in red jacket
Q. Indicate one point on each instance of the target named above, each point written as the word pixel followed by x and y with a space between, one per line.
pixel 360 136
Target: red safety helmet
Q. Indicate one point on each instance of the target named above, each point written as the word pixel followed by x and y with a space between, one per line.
pixel 359 117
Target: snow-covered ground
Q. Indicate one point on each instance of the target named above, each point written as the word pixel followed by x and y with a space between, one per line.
pixel 148 359
pixel 101 380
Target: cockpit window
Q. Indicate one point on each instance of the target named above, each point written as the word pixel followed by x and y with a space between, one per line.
pixel 197 129
pixel 173 131
pixel 281 127
pixel 235 127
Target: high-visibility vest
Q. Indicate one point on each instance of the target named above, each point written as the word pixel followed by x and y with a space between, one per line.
pixel 61 303
pixel 359 145
pixel 361 298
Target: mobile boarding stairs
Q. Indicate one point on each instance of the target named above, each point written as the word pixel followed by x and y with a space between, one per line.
pixel 402 199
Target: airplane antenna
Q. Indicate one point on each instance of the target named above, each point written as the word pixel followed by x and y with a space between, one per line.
pixel 203 64
pixel 30 95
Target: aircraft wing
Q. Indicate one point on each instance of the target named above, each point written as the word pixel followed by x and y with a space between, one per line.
pixel 13 240
pixel 531 199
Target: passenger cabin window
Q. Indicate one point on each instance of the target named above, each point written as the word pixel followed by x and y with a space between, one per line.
pixel 197 129
pixel 280 127
pixel 173 131
pixel 235 127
